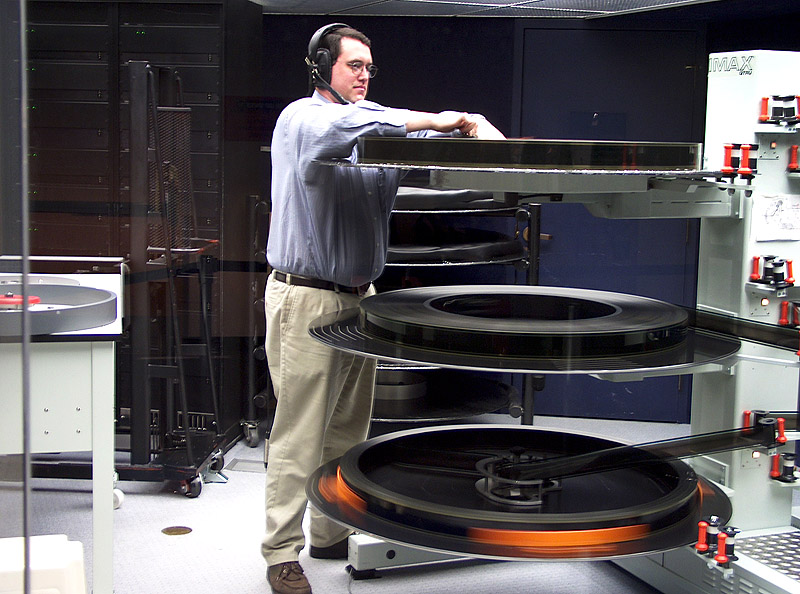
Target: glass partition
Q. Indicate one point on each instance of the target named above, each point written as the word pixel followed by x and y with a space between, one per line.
pixel 111 215
pixel 15 492
pixel 96 185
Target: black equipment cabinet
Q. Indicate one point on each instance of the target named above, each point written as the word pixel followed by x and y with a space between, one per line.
pixel 82 204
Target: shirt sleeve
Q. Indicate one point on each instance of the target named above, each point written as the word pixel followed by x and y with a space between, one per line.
pixel 335 129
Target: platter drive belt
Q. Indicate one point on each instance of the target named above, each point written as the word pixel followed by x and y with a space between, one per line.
pixel 475 489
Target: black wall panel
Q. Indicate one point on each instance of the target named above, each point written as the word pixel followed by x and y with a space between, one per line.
pixel 80 150
pixel 78 109
pixel 72 167
pixel 68 114
pixel 429 64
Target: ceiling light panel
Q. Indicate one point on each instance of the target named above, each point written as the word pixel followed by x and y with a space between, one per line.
pixel 610 7
pixel 485 8
pixel 311 6
pixel 425 8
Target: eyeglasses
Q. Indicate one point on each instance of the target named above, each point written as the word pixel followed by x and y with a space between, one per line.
pixel 357 67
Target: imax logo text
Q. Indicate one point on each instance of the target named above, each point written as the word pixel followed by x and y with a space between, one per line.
pixel 741 64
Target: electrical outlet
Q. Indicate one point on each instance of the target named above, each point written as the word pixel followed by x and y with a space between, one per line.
pixel 759 308
pixel 753 459
pixel 769 149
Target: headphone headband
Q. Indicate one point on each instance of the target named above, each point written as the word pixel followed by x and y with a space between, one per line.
pixel 313 45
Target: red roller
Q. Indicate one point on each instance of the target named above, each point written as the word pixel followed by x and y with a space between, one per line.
pixel 775 472
pixel 783 320
pixel 726 161
pixel 744 161
pixel 764 115
pixel 755 274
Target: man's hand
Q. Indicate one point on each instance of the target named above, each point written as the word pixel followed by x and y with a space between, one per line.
pixel 482 128
pixel 446 121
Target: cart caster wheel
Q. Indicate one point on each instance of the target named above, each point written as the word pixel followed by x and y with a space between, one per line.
pixel 217 462
pixel 192 488
pixel 119 497
pixel 251 435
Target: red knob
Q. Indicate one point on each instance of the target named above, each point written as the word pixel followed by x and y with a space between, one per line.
pixel 781 430
pixel 748 418
pixel 784 316
pixel 721 558
pixel 789 272
pixel 10 301
pixel 702 531
pixel 793 158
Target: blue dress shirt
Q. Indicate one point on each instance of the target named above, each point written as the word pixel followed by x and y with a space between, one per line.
pixel 328 222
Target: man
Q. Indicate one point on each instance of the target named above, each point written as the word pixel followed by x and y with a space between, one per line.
pixel 328 242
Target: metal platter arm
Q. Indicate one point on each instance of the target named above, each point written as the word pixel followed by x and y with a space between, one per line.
pixel 763 434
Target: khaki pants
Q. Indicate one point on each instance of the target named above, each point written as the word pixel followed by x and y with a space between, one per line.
pixel 324 408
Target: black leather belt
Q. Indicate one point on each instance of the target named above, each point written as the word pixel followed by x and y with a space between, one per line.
pixel 305 281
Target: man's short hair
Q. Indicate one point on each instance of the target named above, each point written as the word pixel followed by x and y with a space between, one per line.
pixel 333 41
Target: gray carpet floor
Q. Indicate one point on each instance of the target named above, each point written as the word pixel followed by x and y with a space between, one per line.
pixel 221 552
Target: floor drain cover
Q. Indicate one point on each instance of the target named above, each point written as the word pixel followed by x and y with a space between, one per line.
pixel 176 530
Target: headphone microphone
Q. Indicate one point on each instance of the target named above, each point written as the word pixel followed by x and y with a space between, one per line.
pixel 318 62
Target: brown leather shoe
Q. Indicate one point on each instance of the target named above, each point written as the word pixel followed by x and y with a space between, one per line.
pixel 288 578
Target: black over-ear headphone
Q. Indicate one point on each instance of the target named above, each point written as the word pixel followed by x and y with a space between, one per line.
pixel 318 60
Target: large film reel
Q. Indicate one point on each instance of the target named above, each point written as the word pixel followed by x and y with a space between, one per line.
pixel 499 322
pixel 525 329
pixel 457 489
pixel 536 154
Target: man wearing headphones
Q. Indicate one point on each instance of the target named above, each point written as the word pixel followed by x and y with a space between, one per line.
pixel 328 241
